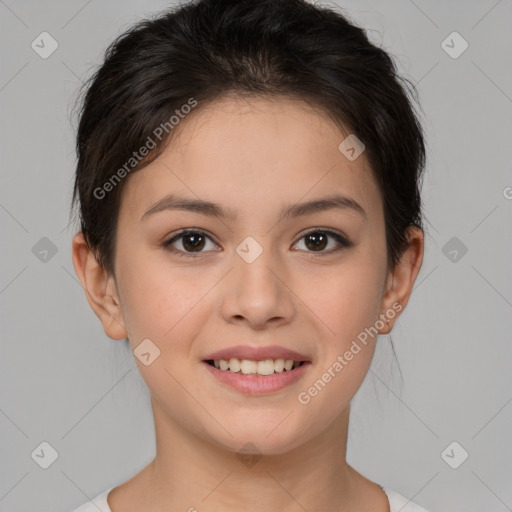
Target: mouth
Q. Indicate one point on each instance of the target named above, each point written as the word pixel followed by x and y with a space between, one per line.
pixel 259 370
pixel 256 373
pixel 255 368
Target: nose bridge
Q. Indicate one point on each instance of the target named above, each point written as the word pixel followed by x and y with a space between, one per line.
pixel 253 263
pixel 256 291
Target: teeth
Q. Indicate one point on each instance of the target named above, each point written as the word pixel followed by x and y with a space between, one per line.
pixel 234 365
pixel 266 367
pixel 279 365
pixel 246 366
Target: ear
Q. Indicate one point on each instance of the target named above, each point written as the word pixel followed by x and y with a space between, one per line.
pixel 100 289
pixel 400 280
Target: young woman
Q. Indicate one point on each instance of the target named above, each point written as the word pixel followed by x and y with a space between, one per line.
pixel 248 184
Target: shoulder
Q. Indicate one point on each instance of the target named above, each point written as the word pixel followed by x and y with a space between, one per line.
pixel 98 504
pixel 399 503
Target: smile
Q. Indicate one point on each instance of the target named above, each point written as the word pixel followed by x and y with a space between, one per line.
pixel 252 367
pixel 253 382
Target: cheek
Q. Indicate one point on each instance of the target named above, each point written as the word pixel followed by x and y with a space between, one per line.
pixel 168 307
pixel 350 310
pixel 348 300
pixel 348 303
pixel 156 298
pixel 331 390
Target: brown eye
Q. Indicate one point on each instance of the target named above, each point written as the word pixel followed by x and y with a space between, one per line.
pixel 189 243
pixel 193 242
pixel 318 241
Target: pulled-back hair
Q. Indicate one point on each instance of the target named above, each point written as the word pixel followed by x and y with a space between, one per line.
pixel 190 55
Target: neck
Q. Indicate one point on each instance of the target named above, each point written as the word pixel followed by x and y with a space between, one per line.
pixel 190 473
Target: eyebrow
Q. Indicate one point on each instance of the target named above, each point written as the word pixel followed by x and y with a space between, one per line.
pixel 173 202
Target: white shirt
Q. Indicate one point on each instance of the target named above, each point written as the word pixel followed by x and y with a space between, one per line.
pixel 397 503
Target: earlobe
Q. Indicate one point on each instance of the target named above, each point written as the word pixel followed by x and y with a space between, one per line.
pixel 100 289
pixel 400 281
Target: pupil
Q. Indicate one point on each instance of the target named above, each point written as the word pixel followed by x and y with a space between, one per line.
pixel 197 241
pixel 316 237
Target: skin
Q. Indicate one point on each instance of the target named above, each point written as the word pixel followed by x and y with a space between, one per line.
pixel 253 156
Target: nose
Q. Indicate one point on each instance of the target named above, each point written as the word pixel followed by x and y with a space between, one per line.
pixel 258 293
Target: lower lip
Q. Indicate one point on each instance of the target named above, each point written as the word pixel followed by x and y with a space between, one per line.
pixel 258 384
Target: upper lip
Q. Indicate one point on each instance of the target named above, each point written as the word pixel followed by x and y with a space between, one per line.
pixel 257 353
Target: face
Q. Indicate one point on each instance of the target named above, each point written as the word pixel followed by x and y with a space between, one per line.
pixel 309 281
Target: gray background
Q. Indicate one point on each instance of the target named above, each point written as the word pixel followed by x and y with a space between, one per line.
pixel 64 382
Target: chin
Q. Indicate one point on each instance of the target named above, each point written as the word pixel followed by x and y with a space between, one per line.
pixel 250 439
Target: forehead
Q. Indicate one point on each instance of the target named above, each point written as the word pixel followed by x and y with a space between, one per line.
pixel 249 152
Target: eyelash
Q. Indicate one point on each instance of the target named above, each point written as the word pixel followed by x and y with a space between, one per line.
pixel 344 243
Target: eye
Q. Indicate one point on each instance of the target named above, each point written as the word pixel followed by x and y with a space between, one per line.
pixel 191 241
pixel 318 239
